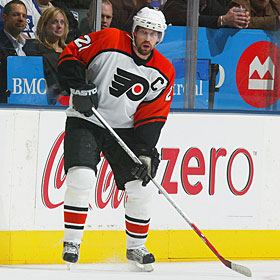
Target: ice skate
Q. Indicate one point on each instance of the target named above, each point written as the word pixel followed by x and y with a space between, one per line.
pixel 140 259
pixel 70 253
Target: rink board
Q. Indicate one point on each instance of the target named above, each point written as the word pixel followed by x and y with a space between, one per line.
pixel 33 247
pixel 221 169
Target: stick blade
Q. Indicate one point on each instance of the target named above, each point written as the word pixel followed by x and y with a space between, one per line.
pixel 241 269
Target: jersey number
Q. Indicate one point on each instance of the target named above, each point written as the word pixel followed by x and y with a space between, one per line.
pixel 83 43
pixel 168 96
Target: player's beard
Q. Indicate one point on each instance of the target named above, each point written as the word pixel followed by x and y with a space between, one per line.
pixel 144 51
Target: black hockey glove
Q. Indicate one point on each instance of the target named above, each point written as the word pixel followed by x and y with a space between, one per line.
pixel 148 168
pixel 84 98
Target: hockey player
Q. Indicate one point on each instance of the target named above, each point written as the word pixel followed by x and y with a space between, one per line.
pixel 131 85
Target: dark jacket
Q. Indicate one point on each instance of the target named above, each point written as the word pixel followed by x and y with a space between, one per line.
pixel 268 21
pixel 123 12
pixel 6 49
pixel 50 60
pixel 175 12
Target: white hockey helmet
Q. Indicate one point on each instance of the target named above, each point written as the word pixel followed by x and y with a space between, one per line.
pixel 151 19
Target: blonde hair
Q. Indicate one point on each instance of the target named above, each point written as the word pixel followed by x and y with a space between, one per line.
pixel 41 34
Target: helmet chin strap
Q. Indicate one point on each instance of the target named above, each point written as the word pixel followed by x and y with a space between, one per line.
pixel 133 40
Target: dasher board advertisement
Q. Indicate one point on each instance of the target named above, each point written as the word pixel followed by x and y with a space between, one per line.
pixel 211 166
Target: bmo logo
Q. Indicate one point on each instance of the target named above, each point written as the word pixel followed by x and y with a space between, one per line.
pixel 257 74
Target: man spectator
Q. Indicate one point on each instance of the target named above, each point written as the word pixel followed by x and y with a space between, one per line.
pixel 212 14
pixel 264 13
pixel 11 41
pixel 33 15
pixel 106 14
pixel 86 25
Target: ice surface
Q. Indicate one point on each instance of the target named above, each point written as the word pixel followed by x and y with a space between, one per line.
pixel 265 270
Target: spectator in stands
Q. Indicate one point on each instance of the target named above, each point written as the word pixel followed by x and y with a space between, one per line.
pixel 264 13
pixel 154 3
pixel 75 4
pixel 212 13
pixel 52 31
pixel 124 11
pixel 82 4
pixel 44 4
pixel 86 24
pixel 72 17
pixel 106 14
pixel 33 15
pixel 11 41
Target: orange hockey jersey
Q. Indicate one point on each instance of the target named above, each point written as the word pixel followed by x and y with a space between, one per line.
pixel 131 92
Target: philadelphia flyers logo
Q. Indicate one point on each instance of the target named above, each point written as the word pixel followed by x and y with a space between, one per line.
pixel 134 86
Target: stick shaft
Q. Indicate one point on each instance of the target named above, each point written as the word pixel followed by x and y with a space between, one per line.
pixel 160 188
pixel 227 263
pixel 116 137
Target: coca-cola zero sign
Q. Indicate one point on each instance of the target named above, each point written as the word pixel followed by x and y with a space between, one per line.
pixel 107 194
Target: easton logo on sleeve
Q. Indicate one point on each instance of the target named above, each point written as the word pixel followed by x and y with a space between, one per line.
pixel 134 86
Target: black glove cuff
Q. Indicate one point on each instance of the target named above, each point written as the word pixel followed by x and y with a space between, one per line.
pixel 145 151
pixel 86 90
pixel 84 98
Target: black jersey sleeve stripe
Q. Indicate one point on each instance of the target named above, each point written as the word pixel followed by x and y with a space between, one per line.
pixel 66 56
pixel 151 119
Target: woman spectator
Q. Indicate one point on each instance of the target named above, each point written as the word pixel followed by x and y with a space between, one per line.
pixel 69 6
pixel 52 31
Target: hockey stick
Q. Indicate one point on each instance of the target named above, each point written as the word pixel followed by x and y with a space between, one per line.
pixel 236 267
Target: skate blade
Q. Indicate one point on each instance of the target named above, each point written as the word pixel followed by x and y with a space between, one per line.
pixel 138 267
pixel 69 265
